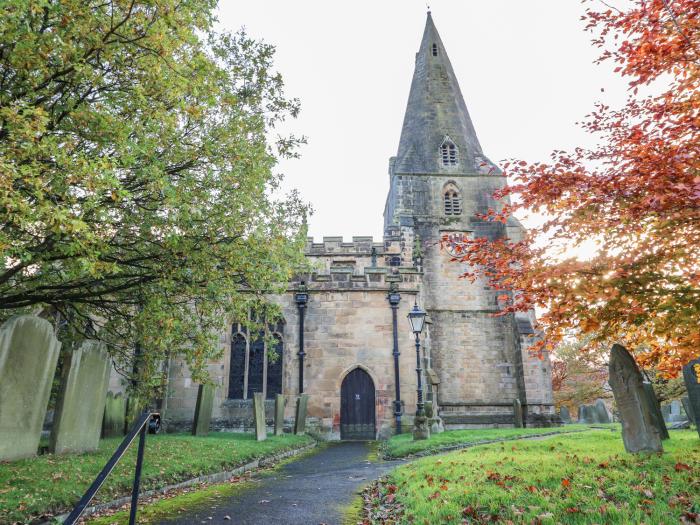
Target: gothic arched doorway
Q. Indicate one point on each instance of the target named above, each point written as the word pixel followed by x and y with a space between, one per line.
pixel 357 418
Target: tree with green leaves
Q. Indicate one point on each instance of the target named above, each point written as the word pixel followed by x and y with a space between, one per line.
pixel 137 188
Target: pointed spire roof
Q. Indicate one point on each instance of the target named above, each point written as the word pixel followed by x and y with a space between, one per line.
pixel 436 113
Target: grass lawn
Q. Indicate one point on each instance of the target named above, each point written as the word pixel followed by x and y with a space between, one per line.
pixel 51 484
pixel 403 445
pixel 577 478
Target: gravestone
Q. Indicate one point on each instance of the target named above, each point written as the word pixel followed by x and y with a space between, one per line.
pixel 656 410
pixel 28 356
pixel 435 422
pixel 584 416
pixel 639 432
pixel 203 410
pixel 259 413
pixel 601 412
pixel 688 410
pixel 115 414
pixel 564 415
pixel 691 377
pixel 666 413
pixel 80 406
pixel 300 416
pixel 518 414
pixel 279 414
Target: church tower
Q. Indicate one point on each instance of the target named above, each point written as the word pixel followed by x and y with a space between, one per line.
pixel 440 179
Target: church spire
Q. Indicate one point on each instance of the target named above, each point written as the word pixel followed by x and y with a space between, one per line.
pixel 437 135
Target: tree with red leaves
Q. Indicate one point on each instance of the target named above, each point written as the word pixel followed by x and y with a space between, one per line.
pixel 636 197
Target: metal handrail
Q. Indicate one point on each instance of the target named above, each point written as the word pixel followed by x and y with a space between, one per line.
pixel 141 428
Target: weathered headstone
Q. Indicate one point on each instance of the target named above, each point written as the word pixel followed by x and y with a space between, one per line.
pixel 435 422
pixel 279 414
pixel 300 416
pixel 203 410
pixel 582 414
pixel 601 412
pixel 691 377
pixel 28 355
pixel 81 400
pixel 639 433
pixel 115 414
pixel 518 414
pixel 655 407
pixel 564 414
pixel 688 410
pixel 666 413
pixel 259 413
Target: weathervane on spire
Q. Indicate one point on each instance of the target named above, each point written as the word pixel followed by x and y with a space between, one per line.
pixel 427 5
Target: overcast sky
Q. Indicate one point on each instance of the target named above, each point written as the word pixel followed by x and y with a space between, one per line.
pixel 525 68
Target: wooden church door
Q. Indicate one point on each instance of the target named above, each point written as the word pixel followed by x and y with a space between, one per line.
pixel 357 418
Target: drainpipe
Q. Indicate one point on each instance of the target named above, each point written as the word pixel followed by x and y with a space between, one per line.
pixel 394 298
pixel 301 298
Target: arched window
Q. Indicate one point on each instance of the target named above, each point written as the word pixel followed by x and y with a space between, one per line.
pixel 274 368
pixel 453 203
pixel 434 50
pixel 236 372
pixel 252 366
pixel 448 152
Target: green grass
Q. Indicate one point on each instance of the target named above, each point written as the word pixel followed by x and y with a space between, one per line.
pixel 574 479
pixel 403 445
pixel 51 484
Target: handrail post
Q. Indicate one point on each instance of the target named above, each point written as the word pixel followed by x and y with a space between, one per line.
pixel 137 476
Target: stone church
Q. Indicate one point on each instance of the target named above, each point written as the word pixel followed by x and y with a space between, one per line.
pixel 345 340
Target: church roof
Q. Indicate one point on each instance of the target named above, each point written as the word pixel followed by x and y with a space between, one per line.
pixel 436 114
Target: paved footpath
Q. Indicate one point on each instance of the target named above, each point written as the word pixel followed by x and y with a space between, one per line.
pixel 310 491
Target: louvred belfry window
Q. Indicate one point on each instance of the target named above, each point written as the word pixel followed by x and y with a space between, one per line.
pixel 435 50
pixel 448 152
pixel 453 203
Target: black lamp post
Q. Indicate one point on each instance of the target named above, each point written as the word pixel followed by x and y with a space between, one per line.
pixel 394 298
pixel 301 298
pixel 416 317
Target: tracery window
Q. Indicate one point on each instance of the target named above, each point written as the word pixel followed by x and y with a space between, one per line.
pixel 452 200
pixel 448 152
pixel 256 362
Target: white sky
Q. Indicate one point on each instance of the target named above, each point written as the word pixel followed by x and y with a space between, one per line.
pixel 525 68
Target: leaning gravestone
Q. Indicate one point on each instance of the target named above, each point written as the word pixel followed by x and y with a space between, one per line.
pixel 81 400
pixel 203 410
pixel 691 377
pixel 688 410
pixel 28 355
pixel 259 413
pixel 518 414
pixel 564 415
pixel 601 412
pixel 279 414
pixel 656 410
pixel 115 414
pixel 639 433
pixel 300 417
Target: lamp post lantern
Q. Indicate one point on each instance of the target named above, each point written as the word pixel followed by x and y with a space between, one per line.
pixel 421 430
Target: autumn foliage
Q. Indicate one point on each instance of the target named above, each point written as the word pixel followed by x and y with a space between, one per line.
pixel 635 198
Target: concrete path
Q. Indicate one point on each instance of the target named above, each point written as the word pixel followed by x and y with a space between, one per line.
pixel 313 490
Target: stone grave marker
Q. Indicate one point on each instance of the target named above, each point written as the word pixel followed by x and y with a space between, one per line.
pixel 688 410
pixel 656 410
pixel 583 415
pixel 639 432
pixel 564 415
pixel 280 401
pixel 691 377
pixel 80 406
pixel 28 356
pixel 300 417
pixel 259 413
pixel 518 414
pixel 666 413
pixel 203 410
pixel 115 414
pixel 601 412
